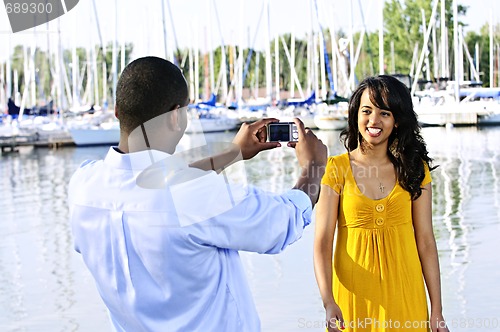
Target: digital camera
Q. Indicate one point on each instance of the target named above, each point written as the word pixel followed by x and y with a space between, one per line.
pixel 282 132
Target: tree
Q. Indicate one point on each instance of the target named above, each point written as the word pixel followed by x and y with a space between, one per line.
pixel 483 41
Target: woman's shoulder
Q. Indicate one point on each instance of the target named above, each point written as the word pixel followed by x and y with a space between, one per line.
pixel 340 159
pixel 427 174
pixel 336 168
pixel 335 172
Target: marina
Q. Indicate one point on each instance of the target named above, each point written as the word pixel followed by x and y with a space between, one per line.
pixel 244 61
pixel 45 286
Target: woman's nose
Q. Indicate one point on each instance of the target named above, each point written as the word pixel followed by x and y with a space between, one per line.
pixel 374 118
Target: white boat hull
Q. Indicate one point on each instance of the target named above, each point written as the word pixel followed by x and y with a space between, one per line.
pixel 210 125
pixel 95 136
pixel 330 122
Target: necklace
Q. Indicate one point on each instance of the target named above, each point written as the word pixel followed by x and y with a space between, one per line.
pixel 380 186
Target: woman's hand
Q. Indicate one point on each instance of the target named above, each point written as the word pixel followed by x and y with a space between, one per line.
pixel 438 324
pixel 334 319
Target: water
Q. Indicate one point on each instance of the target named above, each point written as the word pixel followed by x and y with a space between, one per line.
pixel 44 285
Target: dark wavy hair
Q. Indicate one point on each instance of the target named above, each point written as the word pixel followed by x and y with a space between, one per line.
pixel 388 93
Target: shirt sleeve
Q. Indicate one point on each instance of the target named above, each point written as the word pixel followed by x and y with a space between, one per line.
pixel 427 179
pixel 334 175
pixel 260 222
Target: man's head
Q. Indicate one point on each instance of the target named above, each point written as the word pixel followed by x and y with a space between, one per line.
pixel 148 87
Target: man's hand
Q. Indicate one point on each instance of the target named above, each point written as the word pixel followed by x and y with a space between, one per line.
pixel 312 156
pixel 251 138
pixel 309 149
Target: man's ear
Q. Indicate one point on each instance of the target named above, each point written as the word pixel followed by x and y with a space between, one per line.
pixel 173 119
pixel 116 112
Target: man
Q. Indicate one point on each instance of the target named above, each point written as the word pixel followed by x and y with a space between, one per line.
pixel 161 237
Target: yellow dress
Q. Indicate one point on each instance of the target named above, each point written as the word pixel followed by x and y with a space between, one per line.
pixel 377 275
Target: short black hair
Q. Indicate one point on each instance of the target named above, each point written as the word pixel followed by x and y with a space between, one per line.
pixel 148 87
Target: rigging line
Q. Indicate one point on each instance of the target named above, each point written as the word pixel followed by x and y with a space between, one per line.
pixel 173 32
pixel 250 53
pixel 98 28
pixel 223 46
pixel 369 49
pixel 325 52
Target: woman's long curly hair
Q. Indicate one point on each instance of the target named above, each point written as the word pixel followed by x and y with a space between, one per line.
pixel 388 93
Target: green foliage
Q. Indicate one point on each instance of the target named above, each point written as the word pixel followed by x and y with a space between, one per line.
pixel 483 41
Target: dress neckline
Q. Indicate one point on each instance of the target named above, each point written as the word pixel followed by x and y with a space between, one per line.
pixel 359 190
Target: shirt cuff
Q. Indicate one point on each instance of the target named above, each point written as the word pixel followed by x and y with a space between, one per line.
pixel 302 202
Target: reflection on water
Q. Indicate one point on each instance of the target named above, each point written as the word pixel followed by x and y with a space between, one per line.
pixel 45 287
pixel 467 223
pixel 41 279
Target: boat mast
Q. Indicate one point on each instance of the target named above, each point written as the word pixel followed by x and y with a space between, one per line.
pixel 164 28
pixel 257 61
pixel 444 47
pixel 240 77
pixel 424 48
pixel 74 70
pixel 277 66
pixel 114 63
pixel 476 56
pixel 427 64
pixel 351 45
pixel 8 70
pixel 210 49
pixel 33 72
pixel 59 72
pixel 292 64
pixel 104 69
pixel 435 62
pixel 269 79
pixel 3 101
pixel 455 47
pixel 381 39
pixel 196 63
pixel 492 71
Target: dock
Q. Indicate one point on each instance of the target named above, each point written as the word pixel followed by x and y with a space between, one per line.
pixel 12 143
pixel 461 114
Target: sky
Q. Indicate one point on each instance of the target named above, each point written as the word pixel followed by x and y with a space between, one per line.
pixel 192 22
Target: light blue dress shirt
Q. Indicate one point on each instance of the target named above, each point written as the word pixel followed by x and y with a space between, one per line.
pixel 166 259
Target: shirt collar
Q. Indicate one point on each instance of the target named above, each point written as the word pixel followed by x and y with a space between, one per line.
pixel 141 160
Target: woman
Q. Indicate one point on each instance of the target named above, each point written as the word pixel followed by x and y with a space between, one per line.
pixel 378 197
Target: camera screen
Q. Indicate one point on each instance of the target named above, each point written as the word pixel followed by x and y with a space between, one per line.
pixel 279 132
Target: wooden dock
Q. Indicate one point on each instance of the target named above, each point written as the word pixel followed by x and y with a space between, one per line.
pixel 12 143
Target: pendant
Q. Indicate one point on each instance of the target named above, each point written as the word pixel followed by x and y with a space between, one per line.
pixel 381 187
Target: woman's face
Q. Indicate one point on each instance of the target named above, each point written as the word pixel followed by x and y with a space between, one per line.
pixel 374 124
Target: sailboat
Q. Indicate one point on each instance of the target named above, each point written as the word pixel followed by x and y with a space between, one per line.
pixel 208 116
pixel 304 109
pixel 100 128
pixel 332 116
pixel 460 102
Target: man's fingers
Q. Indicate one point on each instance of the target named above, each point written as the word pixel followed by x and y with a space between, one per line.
pixel 255 126
pixel 300 127
pixel 269 145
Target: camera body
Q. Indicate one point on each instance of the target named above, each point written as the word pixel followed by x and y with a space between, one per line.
pixel 282 132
